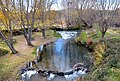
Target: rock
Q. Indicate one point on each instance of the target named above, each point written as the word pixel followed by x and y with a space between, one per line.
pixel 78 65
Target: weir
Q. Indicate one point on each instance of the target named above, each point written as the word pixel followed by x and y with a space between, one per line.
pixel 61 60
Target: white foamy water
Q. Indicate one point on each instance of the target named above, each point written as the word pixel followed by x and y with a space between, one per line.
pixel 51 76
pixel 39 49
pixel 68 34
pixel 28 74
pixel 76 74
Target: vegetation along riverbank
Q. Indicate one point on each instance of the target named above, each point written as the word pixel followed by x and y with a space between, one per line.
pixel 105 54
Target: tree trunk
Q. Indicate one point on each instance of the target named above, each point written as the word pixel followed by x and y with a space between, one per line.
pixel 7 42
pixel 43 29
pixel 11 33
pixel 103 34
pixel 32 24
pixel 33 20
pixel 103 31
pixel 43 33
pixel 26 35
pixel 13 49
pixel 27 38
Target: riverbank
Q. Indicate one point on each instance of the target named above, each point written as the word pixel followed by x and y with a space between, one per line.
pixel 10 64
pixel 109 69
pixel 106 54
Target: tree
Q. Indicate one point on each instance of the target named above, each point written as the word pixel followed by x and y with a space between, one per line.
pixel 33 17
pixel 86 12
pixel 83 12
pixel 45 14
pixel 67 4
pixel 106 10
pixel 22 25
pixel 27 14
pixel 6 19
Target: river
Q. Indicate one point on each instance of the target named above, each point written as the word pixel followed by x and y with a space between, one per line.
pixel 60 55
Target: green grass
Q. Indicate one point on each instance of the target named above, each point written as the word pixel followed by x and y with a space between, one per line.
pixel 57 35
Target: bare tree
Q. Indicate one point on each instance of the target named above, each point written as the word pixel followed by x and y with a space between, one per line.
pixel 86 12
pixel 106 10
pixel 83 12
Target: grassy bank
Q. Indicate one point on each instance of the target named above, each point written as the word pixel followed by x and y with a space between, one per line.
pixel 10 64
pixel 109 68
pixel 106 54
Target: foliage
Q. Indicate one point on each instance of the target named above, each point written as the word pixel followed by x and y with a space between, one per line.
pixel 109 68
pixel 3 18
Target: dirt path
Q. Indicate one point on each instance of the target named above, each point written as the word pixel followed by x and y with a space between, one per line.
pixel 17 61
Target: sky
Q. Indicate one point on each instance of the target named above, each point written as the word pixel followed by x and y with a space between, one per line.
pixel 57 5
